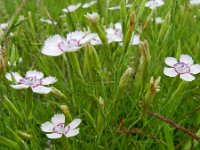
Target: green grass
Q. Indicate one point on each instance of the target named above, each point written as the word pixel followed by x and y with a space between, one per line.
pixel 118 124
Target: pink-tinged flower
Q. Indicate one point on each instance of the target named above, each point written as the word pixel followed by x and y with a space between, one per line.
pixel 33 79
pixel 56 128
pixel 56 45
pixel 89 4
pixel 152 4
pixel 114 34
pixel 184 67
pixel 71 8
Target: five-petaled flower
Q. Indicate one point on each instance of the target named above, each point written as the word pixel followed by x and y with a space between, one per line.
pixel 56 128
pixel 152 4
pixel 56 45
pixel 184 67
pixel 33 79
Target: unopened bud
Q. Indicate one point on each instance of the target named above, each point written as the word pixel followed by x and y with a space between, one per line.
pixel 93 18
pixel 144 48
pixel 101 102
pixel 154 88
pixel 126 76
pixel 24 135
pixel 65 110
pixel 132 19
pixel 154 85
pixel 2 59
pixel 58 93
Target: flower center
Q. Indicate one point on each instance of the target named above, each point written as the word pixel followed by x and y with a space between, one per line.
pixel 31 81
pixel 181 68
pixel 60 129
pixel 73 42
pixel 119 33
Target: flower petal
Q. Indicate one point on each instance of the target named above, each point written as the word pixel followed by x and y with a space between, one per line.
pixel 15 75
pixel 34 73
pixel 41 89
pixel 88 38
pixel 20 86
pixel 194 69
pixel 71 133
pixel 54 136
pixel 118 26
pixel 135 40
pixel 8 76
pixel 48 80
pixel 58 119
pixel 186 59
pixel 187 77
pixel 51 47
pixel 86 5
pixel 75 123
pixel 47 127
pixel 171 61
pixel 72 49
pixel 170 72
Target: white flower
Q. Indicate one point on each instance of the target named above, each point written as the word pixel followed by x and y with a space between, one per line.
pixel 184 67
pixel 118 7
pixel 89 4
pixel 114 34
pixel 71 8
pixel 56 45
pixel 135 40
pixel 158 20
pixel 96 40
pixel 48 21
pixel 152 4
pixel 33 79
pixel 194 2
pixel 3 26
pixel 93 18
pixel 56 128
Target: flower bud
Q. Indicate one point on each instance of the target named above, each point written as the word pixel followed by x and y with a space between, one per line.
pixel 58 93
pixel 93 18
pixel 126 76
pixel 144 48
pixel 65 110
pixel 154 88
pixel 128 35
pixel 2 59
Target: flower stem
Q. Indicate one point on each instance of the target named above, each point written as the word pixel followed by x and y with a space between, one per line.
pixel 28 102
pixel 186 131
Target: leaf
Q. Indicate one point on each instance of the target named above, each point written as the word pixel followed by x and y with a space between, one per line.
pixel 168 137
